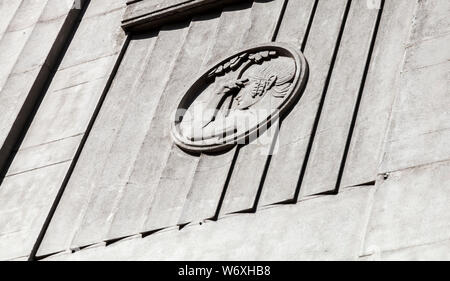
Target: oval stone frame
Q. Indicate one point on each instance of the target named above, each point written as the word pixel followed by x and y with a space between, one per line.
pixel 298 85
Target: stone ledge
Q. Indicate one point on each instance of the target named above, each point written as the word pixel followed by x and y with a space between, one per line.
pixel 151 14
pixel 304 231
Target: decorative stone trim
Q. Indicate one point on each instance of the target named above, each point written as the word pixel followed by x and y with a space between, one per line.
pixel 149 14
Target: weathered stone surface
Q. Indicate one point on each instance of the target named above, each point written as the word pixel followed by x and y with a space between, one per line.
pixel 8 9
pixel 106 38
pixel 285 167
pixel 130 178
pixel 203 199
pixel 382 85
pixel 56 130
pixel 29 37
pixel 16 98
pixel 294 25
pixel 145 187
pixel 47 154
pixel 340 103
pixel 293 232
pixel 44 43
pixel 82 73
pixel 229 34
pixel 25 201
pixel 420 122
pixel 248 171
pixel 64 113
pixel 98 7
pixel 73 204
pixel 232 27
pixel 431 20
pixel 34 64
pixel 410 208
pixel 212 171
pixel 427 53
pixel 27 14
pixel 11 45
pixel 25 258
pixel 439 251
pixel 167 204
pixel 242 190
pixel 59 8
pixel 142 104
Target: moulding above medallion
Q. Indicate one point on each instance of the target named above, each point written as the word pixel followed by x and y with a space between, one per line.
pixel 143 15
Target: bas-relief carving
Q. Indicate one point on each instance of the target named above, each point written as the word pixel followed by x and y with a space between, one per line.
pixel 235 101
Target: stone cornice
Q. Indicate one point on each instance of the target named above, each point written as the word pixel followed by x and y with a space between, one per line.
pixel 143 15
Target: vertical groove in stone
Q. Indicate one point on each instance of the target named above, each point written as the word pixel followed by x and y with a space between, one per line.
pixel 7 14
pixel 360 94
pixel 19 34
pixel 241 185
pixel 38 67
pixel 152 187
pixel 254 158
pixel 74 201
pixel 298 127
pixel 213 171
pixel 341 102
pixel 78 152
pixel 19 103
pixel 140 111
pixel 382 85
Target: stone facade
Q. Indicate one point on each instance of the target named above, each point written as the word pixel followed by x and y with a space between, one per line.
pixel 358 170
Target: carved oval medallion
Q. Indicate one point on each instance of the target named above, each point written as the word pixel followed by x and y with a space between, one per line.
pixel 235 101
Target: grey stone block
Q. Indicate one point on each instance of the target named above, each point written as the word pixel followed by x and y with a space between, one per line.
pixel 157 152
pixel 25 202
pixel 293 27
pixel 427 53
pixel 47 154
pixel 11 46
pixel 98 7
pixel 306 231
pixel 44 44
pixel 431 20
pixel 27 14
pixel 57 8
pixel 206 189
pixel 410 208
pixel 242 189
pixel 16 101
pixel 250 163
pixel 419 129
pixel 382 85
pixel 439 251
pixel 212 171
pixel 130 136
pixel 172 191
pixel 327 152
pixel 74 202
pixel 106 38
pixel 34 63
pixel 296 129
pixel 8 9
pixel 82 73
pixel 25 258
pixel 64 113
